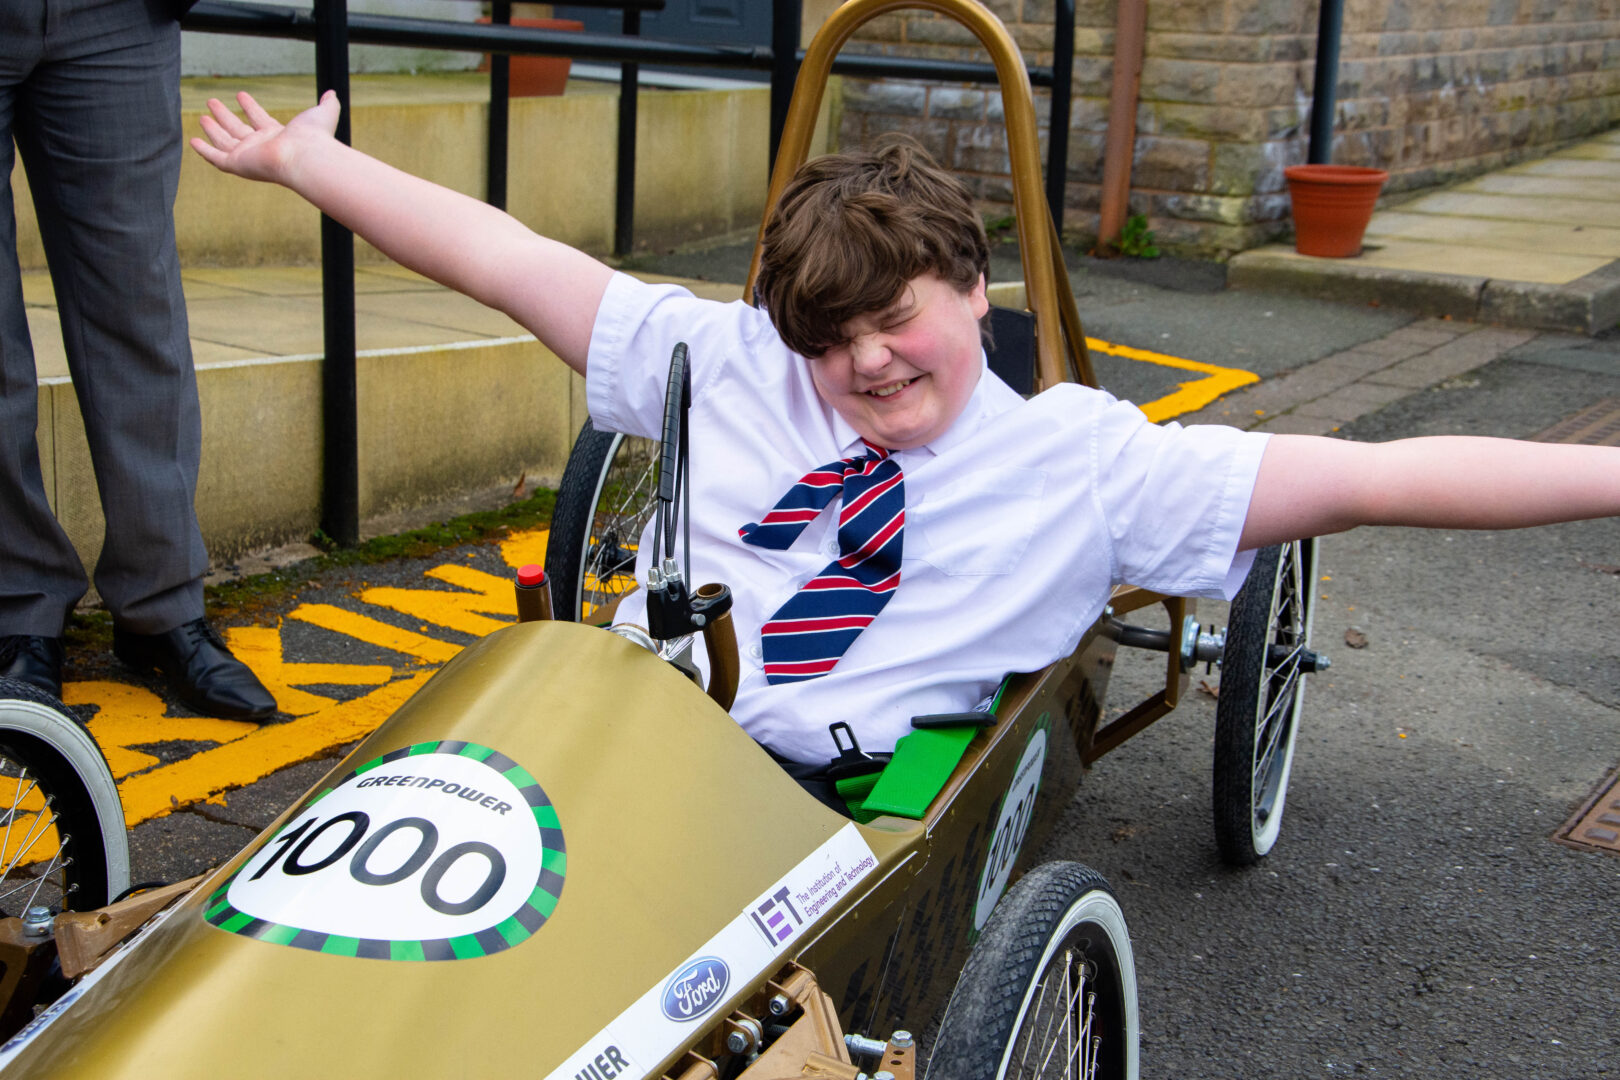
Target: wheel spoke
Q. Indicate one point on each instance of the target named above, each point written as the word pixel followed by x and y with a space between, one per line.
pixel 1067 1009
pixel 1273 733
pixel 18 795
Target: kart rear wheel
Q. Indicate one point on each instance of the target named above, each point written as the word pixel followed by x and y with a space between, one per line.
pixel 607 495
pixel 1049 991
pixel 62 838
pixel 1262 697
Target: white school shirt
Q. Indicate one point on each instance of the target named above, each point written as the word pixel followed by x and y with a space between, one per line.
pixel 1020 519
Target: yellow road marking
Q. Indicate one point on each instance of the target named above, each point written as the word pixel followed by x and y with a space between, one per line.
pixel 1192 395
pixel 457 610
pixel 259 647
pixel 132 716
pixel 374 632
pixel 257 755
pixel 525 547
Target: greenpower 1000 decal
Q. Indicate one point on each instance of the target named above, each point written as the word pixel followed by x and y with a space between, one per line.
pixel 437 851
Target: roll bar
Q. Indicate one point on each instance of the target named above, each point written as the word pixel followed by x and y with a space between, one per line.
pixel 1060 343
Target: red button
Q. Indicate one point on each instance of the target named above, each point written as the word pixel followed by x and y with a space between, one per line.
pixel 531 576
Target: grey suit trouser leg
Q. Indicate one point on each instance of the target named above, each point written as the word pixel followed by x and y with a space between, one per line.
pixel 89 91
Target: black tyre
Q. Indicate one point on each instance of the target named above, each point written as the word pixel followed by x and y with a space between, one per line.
pixel 608 493
pixel 1262 696
pixel 62 839
pixel 1049 990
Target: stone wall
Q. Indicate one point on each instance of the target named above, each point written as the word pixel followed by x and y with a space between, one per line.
pixel 1431 92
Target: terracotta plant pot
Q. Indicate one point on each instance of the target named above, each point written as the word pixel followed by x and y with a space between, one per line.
pixel 538 76
pixel 1332 205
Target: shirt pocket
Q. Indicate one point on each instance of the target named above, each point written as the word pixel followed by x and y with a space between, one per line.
pixel 978 525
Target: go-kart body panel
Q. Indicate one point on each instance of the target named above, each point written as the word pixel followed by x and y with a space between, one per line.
pixel 891 960
pixel 674 823
pixel 678 831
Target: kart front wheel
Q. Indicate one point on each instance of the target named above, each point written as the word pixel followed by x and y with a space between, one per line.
pixel 1049 991
pixel 62 838
pixel 607 495
pixel 1262 696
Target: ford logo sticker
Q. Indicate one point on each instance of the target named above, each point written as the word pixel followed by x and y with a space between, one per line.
pixel 696 988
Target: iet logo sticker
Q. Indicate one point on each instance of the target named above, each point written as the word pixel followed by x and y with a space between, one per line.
pixel 438 851
pixel 1016 811
pixel 696 988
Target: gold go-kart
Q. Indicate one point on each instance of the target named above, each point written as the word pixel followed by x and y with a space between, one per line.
pixel 562 859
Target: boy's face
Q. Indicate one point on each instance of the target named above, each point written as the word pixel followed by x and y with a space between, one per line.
pixel 902 375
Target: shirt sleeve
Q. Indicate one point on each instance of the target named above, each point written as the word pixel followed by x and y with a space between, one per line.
pixel 636 330
pixel 1175 500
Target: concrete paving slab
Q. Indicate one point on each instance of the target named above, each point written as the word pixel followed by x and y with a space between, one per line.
pixel 208 290
pixel 445 309
pixel 1564 166
pixel 1597 189
pixel 206 354
pixel 1596 150
pixel 45 331
pixel 402 277
pixel 1278 268
pixel 37 289
pixel 1596 240
pixel 1351 402
pixel 212 282
pixel 1526 275
pixel 1548 268
pixel 292 326
pixel 1512 208
pixel 1298 424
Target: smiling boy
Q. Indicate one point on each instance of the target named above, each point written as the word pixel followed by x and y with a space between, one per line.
pixel 975 533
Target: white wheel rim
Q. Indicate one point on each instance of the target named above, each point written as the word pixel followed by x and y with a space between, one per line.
pixel 73 743
pixel 1103 910
pixel 1265 833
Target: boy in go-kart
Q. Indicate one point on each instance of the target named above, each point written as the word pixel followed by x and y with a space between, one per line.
pixel 976 533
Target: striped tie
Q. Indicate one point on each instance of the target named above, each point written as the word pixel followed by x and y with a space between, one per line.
pixel 808 634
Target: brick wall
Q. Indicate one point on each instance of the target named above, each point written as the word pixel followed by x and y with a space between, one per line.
pixel 1433 92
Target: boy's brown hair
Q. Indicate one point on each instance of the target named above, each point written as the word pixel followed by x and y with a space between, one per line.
pixel 849 232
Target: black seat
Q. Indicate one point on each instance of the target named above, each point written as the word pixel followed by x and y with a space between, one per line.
pixel 1011 351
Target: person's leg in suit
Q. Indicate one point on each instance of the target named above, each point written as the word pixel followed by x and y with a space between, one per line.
pixel 96 119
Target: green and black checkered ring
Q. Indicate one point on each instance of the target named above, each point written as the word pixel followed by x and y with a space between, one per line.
pixel 514 929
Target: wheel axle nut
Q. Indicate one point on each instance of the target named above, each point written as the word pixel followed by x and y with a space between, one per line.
pixel 37 921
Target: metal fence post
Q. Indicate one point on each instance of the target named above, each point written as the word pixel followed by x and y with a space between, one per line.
pixel 785 18
pixel 1057 128
pixel 1329 20
pixel 500 113
pixel 340 502
pixel 624 198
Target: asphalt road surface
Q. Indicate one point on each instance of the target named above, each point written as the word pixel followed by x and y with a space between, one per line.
pixel 1416 918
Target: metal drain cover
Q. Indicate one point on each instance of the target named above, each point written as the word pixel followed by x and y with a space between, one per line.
pixel 1596 826
pixel 1595 425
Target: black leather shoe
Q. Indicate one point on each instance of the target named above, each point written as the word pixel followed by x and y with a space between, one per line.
pixel 199 669
pixel 33 659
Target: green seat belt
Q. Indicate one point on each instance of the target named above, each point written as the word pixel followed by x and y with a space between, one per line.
pixel 922 762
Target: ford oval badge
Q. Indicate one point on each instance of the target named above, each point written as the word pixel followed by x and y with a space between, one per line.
pixel 696 988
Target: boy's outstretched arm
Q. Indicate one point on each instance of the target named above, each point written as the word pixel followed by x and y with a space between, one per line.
pixel 1310 486
pixel 549 287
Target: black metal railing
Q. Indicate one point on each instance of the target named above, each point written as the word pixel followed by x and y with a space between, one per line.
pixel 332 28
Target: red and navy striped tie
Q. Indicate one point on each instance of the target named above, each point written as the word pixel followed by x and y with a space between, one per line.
pixel 810 633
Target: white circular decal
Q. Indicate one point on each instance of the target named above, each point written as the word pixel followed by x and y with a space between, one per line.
pixel 1016 810
pixel 436 851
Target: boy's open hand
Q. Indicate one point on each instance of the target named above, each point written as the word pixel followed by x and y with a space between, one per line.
pixel 262 148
